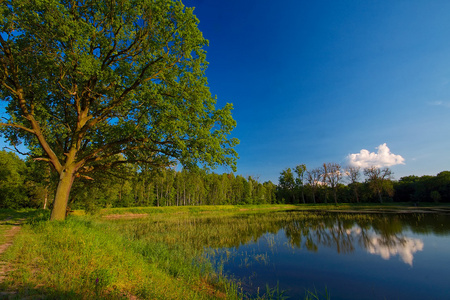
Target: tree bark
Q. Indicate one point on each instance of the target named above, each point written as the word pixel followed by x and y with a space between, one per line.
pixel 45 198
pixel 62 195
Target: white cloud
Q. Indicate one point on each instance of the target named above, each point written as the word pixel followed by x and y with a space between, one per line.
pixel 383 158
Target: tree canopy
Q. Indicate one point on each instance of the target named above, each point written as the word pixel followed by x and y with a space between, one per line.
pixel 92 84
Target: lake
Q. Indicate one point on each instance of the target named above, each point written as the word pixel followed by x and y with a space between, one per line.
pixel 352 256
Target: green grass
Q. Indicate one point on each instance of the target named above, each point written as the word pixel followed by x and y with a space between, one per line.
pixel 12 216
pixel 246 209
pixel 85 258
pixel 3 230
pixel 160 255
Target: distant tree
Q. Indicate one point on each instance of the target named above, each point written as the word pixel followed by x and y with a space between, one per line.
pixel 12 181
pixel 270 189
pixel 324 179
pixel 334 176
pixel 300 170
pixel 85 81
pixel 435 196
pixel 353 174
pixel 40 183
pixel 442 185
pixel 286 183
pixel 313 179
pixel 376 178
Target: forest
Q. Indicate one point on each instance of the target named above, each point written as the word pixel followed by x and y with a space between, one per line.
pixel 120 114
pixel 29 183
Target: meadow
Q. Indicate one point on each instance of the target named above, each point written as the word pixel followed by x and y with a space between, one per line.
pixel 113 255
pixel 140 253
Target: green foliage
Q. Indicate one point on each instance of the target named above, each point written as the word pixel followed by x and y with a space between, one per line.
pixel 127 186
pixel 286 185
pixel 377 187
pixel 12 181
pixel 435 196
pixel 99 83
pixel 22 183
pixel 136 67
pixel 424 188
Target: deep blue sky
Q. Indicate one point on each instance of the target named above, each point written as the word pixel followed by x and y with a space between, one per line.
pixel 315 81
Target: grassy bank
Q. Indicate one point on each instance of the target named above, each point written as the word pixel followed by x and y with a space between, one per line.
pixel 84 258
pixel 160 255
pixel 149 253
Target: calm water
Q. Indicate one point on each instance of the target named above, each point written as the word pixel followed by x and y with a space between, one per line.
pixel 377 256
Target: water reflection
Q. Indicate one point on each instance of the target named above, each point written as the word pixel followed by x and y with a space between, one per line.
pixel 382 235
pixel 376 244
pixel 353 255
pixel 384 238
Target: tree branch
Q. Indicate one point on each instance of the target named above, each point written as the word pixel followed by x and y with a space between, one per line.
pixel 18 127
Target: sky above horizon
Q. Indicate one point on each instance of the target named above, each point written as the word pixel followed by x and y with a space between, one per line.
pixel 348 82
pixel 312 82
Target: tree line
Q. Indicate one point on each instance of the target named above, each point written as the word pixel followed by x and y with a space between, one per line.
pixel 169 187
pixel 30 183
pixel 332 183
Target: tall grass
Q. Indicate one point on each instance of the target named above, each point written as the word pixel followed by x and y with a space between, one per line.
pixel 86 259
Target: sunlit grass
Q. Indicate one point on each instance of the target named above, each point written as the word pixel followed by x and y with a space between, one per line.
pixel 233 209
pixel 165 253
pixel 159 256
pixel 83 258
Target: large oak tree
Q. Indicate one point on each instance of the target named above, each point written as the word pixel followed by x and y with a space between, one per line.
pixel 94 83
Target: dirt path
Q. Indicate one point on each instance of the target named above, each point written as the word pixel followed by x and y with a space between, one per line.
pixel 8 238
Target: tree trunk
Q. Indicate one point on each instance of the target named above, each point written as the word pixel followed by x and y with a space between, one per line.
pixel 62 196
pixel 47 186
pixel 184 194
pixel 157 195
pixel 45 198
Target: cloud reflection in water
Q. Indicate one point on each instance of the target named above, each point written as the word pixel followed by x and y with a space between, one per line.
pixel 405 247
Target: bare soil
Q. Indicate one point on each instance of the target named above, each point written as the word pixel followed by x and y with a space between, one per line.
pixel 6 267
pixel 125 216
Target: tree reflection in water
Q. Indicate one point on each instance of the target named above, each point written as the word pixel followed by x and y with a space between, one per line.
pixel 378 234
